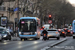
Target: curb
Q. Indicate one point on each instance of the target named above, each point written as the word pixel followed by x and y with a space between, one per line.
pixel 50 46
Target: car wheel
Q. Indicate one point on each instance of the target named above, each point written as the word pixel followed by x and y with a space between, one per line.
pixel 64 36
pixel 58 38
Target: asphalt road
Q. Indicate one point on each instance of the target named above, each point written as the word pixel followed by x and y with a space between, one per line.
pixel 27 45
pixel 66 45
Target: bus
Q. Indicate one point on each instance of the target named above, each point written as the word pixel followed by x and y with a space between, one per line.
pixel 29 28
pixel 73 26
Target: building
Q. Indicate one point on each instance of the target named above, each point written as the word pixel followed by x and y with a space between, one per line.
pixel 8 6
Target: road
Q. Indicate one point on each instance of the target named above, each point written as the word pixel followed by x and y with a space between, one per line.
pixel 27 45
pixel 67 45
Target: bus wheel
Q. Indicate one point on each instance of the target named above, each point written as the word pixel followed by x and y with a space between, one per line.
pixel 21 39
pixel 25 39
pixel 36 38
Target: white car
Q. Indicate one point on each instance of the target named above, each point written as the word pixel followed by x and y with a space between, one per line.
pixel 53 33
pixel 46 26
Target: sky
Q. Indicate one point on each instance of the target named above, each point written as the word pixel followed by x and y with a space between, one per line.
pixel 72 2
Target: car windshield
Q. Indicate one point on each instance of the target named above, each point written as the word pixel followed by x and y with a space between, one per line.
pixel 1 29
pixel 3 32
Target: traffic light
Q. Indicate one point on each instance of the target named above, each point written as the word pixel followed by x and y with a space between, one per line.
pixel 70 24
pixel 50 17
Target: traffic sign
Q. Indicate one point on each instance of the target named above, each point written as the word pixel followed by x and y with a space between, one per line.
pixel 50 21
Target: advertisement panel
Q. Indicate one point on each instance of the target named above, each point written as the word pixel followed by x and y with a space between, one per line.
pixel 3 21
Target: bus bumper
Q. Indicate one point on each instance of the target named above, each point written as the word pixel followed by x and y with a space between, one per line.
pixel 28 36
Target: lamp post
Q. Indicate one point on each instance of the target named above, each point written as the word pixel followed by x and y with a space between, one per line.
pixel 18 9
pixel 9 10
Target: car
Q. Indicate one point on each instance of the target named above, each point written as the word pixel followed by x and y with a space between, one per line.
pixel 69 33
pixel 2 28
pixel 1 37
pixel 63 33
pixel 65 29
pixel 5 35
pixel 45 26
pixel 59 30
pixel 53 33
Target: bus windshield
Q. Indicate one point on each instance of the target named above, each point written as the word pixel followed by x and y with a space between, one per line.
pixel 27 25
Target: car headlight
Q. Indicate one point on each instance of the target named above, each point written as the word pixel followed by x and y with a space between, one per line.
pixel 19 32
pixel 4 35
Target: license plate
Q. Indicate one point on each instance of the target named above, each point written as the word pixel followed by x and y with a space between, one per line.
pixel 26 33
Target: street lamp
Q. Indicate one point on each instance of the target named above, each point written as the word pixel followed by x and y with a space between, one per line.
pixel 9 9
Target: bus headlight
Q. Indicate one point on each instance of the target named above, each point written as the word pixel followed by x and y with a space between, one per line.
pixel 19 32
pixel 35 32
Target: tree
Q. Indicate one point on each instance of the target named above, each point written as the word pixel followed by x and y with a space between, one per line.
pixel 1 1
pixel 61 11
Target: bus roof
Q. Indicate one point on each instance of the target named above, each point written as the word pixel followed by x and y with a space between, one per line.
pixel 73 20
pixel 28 18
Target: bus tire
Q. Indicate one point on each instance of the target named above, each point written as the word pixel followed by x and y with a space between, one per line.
pixel 36 38
pixel 25 39
pixel 21 39
pixel 58 38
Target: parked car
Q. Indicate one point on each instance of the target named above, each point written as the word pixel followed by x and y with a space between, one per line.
pixel 53 33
